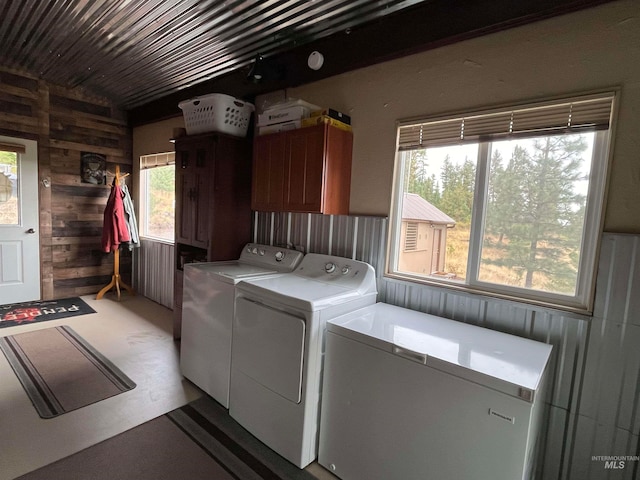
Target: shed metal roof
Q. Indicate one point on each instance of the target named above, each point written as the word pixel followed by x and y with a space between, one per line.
pixel 414 207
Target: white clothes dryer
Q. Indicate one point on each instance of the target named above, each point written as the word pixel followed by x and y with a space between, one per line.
pixel 278 348
pixel 208 303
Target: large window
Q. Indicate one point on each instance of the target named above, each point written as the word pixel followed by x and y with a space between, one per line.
pixel 514 194
pixel 157 196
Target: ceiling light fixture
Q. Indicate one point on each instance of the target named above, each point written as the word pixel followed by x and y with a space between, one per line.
pixel 257 72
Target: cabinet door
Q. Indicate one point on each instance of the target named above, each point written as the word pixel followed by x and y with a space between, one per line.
pixel 267 186
pixel 201 205
pixel 193 180
pixel 184 194
pixel 304 169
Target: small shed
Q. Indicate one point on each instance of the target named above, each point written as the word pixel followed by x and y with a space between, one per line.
pixel 423 238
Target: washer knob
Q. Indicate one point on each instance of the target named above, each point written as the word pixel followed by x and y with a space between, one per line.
pixel 345 269
pixel 254 250
pixel 330 267
pixel 261 252
pixel 279 256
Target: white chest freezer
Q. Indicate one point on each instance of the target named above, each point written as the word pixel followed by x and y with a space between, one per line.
pixel 413 396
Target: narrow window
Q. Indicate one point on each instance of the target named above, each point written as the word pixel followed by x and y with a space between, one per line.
pixel 9 205
pixel 157 196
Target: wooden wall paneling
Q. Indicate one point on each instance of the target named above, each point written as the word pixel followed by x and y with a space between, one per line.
pixel 21 100
pixel 74 287
pixel 71 255
pixel 44 193
pixel 83 123
pixel 66 122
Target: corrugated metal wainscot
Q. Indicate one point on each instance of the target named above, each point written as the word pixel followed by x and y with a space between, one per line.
pixel 594 383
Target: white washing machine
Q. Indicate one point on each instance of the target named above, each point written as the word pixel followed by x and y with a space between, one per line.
pixel 207 312
pixel 278 347
pixel 414 396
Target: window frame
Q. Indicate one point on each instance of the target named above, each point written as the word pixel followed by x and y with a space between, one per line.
pixel 582 301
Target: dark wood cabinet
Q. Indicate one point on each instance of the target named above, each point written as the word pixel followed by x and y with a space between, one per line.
pixel 303 170
pixel 213 204
pixel 192 191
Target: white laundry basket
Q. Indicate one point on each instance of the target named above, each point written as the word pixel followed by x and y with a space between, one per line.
pixel 216 112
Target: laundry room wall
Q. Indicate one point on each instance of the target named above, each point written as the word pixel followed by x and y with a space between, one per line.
pixel 595 366
pixel 593 49
pixel 153 263
pixel 595 370
pixel 66 122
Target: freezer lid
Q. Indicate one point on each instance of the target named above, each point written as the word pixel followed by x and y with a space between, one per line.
pixel 485 356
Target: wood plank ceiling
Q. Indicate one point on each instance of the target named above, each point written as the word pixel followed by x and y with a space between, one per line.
pixel 137 53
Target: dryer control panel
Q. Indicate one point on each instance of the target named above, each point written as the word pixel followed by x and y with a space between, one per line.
pixel 342 271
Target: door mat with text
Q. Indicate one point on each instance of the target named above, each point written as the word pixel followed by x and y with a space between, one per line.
pixel 41 311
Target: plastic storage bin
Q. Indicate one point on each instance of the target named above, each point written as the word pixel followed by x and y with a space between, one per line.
pixel 216 113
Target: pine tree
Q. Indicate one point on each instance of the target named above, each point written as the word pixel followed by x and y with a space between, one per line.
pixel 416 171
pixel 432 191
pixel 458 184
pixel 504 193
pixel 417 181
pixel 540 214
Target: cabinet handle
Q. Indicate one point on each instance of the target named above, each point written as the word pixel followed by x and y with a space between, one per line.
pixel 200 158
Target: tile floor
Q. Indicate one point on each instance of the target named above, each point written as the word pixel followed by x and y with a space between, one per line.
pixel 135 334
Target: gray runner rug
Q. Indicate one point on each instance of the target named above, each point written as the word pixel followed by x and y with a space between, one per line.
pixel 60 371
pixel 199 441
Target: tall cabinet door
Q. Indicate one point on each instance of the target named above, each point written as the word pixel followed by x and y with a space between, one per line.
pixel 184 193
pixel 203 172
pixel 193 180
pixel 304 172
pixel 267 184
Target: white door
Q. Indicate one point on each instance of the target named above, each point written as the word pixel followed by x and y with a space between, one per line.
pixel 19 237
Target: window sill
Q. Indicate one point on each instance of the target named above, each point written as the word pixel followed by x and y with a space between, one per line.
pixel 466 290
pixel 157 240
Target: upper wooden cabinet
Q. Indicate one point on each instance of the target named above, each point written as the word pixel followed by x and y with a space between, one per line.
pixel 303 170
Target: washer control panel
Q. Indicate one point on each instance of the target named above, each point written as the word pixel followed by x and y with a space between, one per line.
pixel 268 255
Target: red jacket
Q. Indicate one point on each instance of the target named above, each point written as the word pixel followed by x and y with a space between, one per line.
pixel 114 228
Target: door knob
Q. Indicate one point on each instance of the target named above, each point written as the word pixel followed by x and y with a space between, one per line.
pixel 31 230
